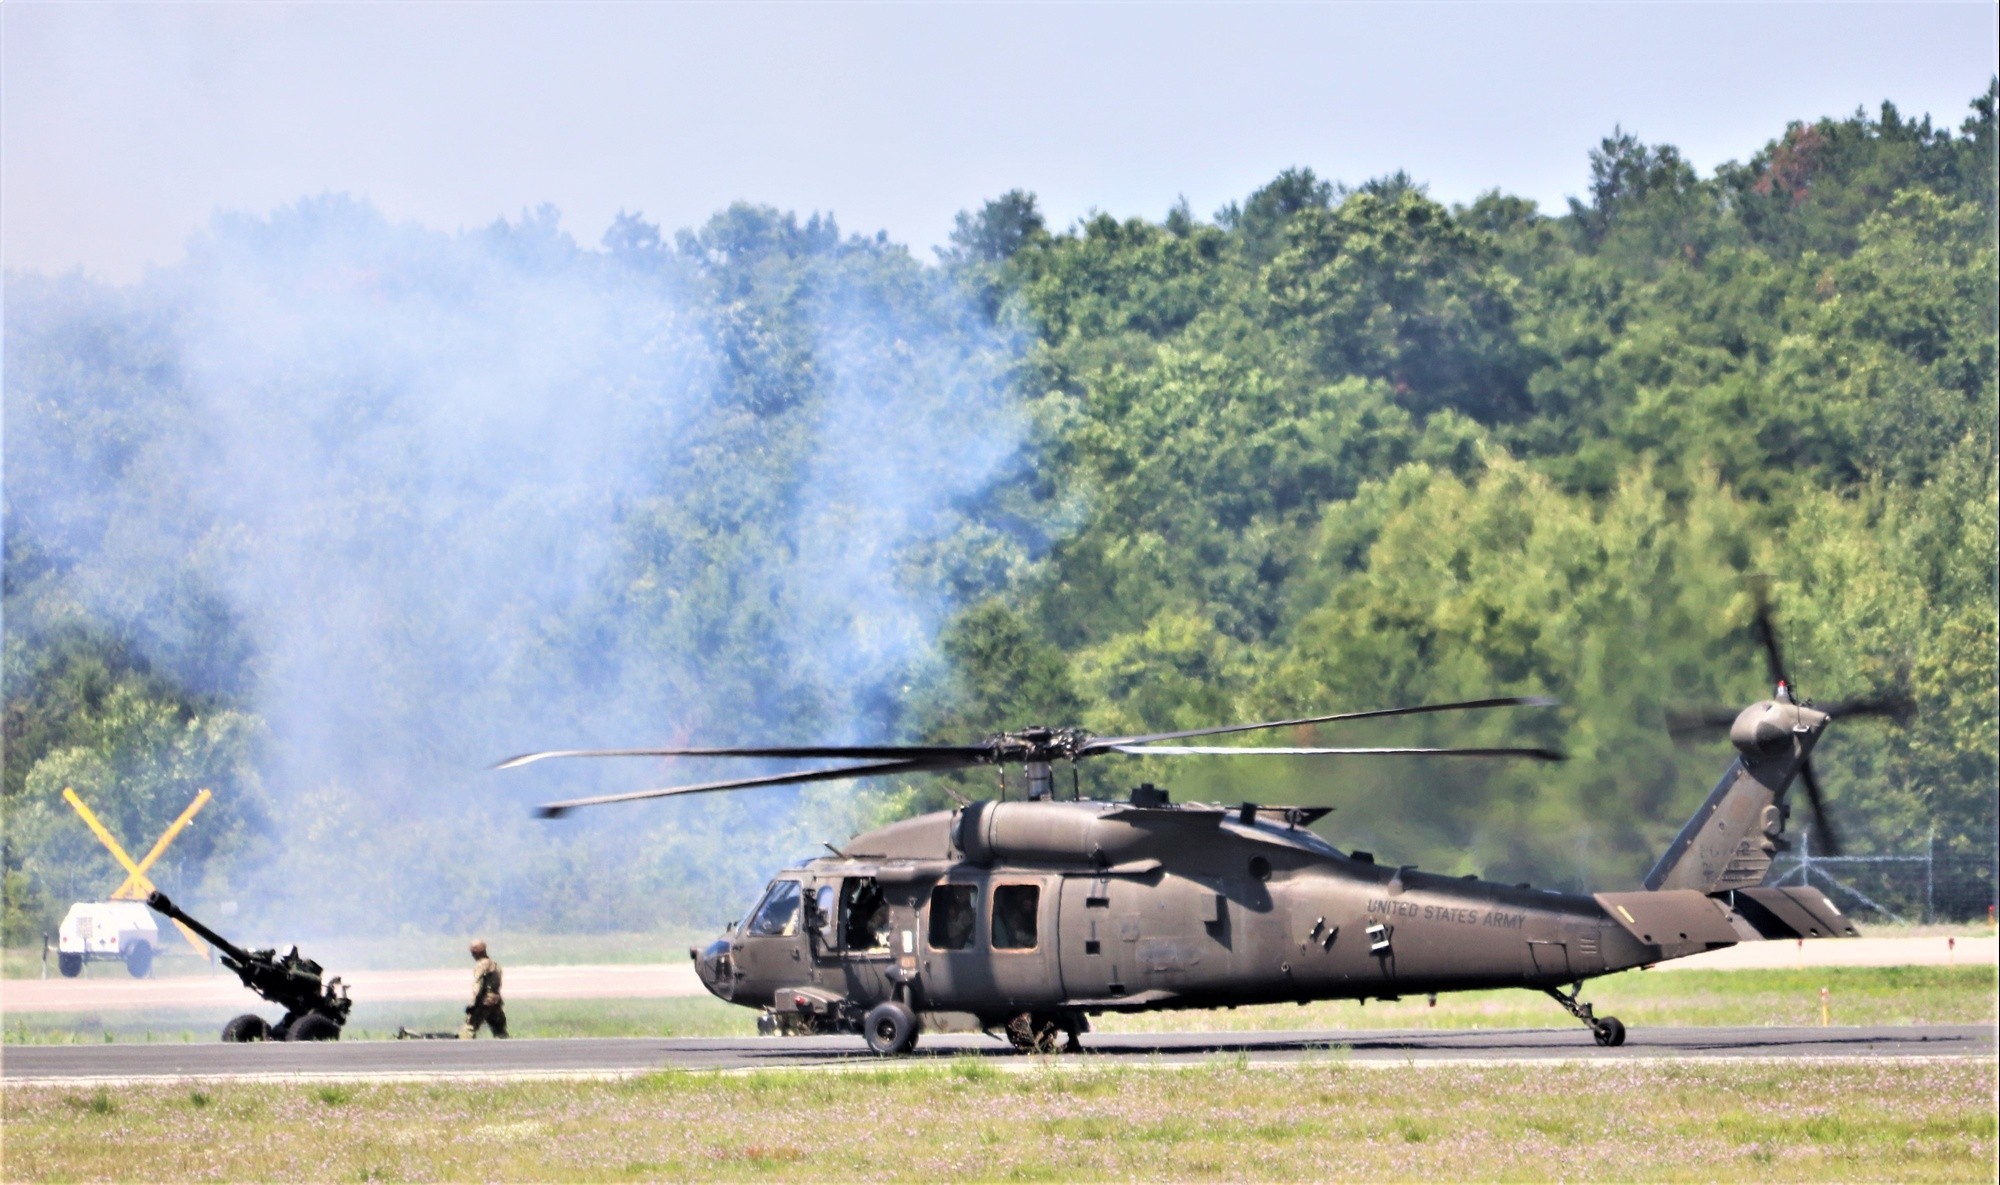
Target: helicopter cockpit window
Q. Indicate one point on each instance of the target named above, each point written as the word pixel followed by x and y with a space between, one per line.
pixel 1014 910
pixel 778 916
pixel 864 913
pixel 953 917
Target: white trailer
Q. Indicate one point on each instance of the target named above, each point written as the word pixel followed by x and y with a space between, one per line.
pixel 104 931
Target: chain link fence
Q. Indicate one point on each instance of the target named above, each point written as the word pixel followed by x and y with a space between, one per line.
pixel 1931 885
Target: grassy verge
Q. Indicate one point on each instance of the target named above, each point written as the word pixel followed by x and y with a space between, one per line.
pixel 688 1017
pixel 1857 995
pixel 1635 1121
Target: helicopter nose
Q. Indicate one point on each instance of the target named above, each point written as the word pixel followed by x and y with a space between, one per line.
pixel 712 967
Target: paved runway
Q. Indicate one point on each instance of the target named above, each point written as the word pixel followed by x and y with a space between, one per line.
pixel 106 987
pixel 393 1060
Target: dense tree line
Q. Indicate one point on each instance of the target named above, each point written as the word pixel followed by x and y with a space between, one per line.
pixel 1342 448
pixel 1332 448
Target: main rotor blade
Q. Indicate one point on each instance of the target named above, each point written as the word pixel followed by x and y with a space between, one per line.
pixel 1821 826
pixel 860 752
pixel 1226 751
pixel 1108 744
pixel 555 810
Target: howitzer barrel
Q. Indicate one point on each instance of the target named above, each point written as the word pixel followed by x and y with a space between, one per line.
pixel 161 903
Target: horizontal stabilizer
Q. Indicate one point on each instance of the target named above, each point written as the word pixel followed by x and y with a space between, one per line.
pixel 1790 913
pixel 1677 921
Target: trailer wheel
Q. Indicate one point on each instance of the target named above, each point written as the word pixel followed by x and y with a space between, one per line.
pixel 248 1027
pixel 314 1026
pixel 139 959
pixel 70 965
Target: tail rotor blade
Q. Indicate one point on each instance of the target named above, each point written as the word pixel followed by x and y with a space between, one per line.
pixel 1893 704
pixel 1681 723
pixel 1768 635
pixel 1822 827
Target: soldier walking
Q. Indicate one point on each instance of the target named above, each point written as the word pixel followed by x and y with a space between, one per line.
pixel 486 1008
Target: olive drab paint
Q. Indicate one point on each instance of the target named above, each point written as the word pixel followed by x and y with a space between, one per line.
pixel 1028 917
pixel 1148 904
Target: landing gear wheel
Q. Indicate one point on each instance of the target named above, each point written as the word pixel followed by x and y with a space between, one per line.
pixel 139 960
pixel 70 965
pixel 248 1027
pixel 1609 1031
pixel 890 1027
pixel 313 1026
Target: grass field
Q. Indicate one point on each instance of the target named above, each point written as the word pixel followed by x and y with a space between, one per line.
pixel 1858 996
pixel 425 951
pixel 1331 1120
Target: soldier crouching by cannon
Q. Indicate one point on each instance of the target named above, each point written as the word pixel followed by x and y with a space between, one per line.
pixel 315 1009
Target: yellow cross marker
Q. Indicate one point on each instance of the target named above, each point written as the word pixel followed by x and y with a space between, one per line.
pixel 136 883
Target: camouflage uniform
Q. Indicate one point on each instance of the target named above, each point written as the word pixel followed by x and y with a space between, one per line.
pixel 487 1007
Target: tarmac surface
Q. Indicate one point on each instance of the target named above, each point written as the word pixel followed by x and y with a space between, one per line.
pixel 106 987
pixel 76 1065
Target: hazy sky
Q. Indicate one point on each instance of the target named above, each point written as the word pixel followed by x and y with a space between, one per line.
pixel 126 126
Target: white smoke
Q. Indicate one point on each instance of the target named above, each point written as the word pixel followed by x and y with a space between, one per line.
pixel 470 494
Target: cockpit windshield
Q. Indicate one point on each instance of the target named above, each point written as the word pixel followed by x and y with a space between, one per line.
pixel 778 914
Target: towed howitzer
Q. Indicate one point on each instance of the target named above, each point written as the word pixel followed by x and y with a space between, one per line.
pixel 315 1008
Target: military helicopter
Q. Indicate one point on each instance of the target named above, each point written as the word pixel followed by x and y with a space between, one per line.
pixel 1025 916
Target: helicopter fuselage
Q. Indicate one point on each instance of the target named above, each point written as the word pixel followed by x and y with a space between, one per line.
pixel 1060 908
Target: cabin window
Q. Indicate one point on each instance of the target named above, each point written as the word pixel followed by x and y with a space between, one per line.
pixel 778 915
pixel 953 917
pixel 1014 914
pixel 865 915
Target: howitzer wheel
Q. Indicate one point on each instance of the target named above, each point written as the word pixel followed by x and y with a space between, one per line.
pixel 314 1026
pixel 248 1027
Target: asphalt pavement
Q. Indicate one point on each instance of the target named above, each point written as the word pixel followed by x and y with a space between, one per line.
pixel 609 1057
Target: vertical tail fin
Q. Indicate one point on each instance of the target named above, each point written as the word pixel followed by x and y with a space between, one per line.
pixel 1731 841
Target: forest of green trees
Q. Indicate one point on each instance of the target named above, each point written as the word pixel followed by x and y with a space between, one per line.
pixel 1332 448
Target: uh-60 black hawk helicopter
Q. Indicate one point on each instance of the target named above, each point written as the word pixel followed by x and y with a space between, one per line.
pixel 1026 916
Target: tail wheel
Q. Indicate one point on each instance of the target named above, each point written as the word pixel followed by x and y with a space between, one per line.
pixel 314 1026
pixel 1609 1031
pixel 248 1027
pixel 890 1027
pixel 139 959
